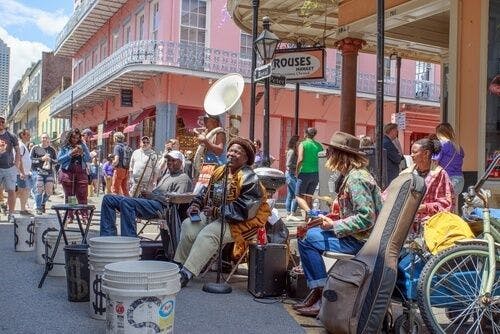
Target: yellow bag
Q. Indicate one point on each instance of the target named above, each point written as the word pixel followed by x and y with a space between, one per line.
pixel 443 229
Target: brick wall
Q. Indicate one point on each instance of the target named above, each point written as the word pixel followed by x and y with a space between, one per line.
pixel 54 68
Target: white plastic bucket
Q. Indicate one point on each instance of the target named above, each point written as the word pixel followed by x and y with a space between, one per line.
pixel 103 251
pixel 134 306
pixel 59 260
pixel 42 224
pixel 24 234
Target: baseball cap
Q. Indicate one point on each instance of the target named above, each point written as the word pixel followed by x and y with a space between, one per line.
pixel 177 155
pixel 144 138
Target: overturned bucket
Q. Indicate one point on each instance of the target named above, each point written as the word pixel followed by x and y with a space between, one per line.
pixel 73 237
pixel 24 234
pixel 77 272
pixel 42 225
pixel 140 294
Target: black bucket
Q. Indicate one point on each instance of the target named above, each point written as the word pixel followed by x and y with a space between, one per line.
pixel 77 272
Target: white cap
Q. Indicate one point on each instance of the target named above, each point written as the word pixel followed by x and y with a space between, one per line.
pixel 174 154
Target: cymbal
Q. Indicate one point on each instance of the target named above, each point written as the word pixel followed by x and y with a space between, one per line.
pixel 327 199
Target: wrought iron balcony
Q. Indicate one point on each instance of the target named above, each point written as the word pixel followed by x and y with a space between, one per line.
pixel 137 61
pixel 30 98
pixel 86 20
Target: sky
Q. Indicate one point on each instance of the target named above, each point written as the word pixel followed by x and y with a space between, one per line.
pixel 29 27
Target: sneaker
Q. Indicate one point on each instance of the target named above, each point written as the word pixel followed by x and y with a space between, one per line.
pixel 184 279
pixel 292 218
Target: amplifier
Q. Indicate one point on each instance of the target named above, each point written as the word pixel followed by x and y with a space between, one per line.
pixel 267 270
pixel 152 250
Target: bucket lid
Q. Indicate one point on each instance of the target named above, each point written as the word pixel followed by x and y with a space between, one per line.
pixel 173 289
pixel 114 240
pixel 115 255
pixel 141 268
pixel 144 285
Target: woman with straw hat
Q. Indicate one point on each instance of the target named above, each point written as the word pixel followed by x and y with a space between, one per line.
pixel 359 201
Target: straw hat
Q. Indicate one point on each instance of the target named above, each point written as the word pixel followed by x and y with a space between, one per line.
pixel 345 142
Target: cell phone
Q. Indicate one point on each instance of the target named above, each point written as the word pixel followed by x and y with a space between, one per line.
pixel 195 217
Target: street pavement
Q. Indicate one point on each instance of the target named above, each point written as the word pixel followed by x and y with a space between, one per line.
pixel 27 309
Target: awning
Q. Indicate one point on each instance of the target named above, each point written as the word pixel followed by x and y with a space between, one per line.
pixel 146 113
pixel 105 135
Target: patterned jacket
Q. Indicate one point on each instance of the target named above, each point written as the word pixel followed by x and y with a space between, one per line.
pixel 246 207
pixel 360 202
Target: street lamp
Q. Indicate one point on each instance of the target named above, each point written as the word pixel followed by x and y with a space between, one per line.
pixel 265 45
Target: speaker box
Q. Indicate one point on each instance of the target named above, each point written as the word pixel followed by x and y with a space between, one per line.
pixel 152 250
pixel 267 270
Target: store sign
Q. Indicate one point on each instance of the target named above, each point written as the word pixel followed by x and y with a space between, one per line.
pixel 299 64
pixel 100 130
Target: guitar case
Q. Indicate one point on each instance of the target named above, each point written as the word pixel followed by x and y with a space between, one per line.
pixel 358 291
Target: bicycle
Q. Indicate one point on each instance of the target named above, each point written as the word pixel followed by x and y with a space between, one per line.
pixel 459 288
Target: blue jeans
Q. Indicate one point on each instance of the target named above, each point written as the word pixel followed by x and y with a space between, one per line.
pixel 41 195
pixel 314 244
pixel 130 208
pixel 290 203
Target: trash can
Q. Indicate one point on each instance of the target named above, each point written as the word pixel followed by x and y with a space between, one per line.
pixel 77 272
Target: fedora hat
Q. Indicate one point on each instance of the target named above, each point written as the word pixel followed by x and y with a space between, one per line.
pixel 345 142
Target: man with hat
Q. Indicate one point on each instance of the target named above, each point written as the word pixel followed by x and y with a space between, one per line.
pixel 142 167
pixel 245 210
pixel 9 164
pixel 150 204
pixel 359 201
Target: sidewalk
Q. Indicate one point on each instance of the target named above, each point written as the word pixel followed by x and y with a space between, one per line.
pixel 27 309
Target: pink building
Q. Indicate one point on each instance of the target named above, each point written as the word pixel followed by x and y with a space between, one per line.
pixel 144 67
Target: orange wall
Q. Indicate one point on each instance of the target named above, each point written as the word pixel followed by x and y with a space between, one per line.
pixel 468 94
pixel 354 10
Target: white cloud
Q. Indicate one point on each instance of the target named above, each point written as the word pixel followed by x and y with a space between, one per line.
pixel 22 54
pixel 14 13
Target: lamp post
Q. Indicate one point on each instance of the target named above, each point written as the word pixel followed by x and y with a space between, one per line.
pixel 255 19
pixel 265 45
pixel 398 78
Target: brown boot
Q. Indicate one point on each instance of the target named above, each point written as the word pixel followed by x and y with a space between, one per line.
pixel 311 311
pixel 311 298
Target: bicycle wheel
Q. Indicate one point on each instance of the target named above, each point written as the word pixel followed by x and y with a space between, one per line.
pixel 448 292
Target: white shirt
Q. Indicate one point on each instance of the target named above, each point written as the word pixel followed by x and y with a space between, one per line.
pixel 138 162
pixel 25 157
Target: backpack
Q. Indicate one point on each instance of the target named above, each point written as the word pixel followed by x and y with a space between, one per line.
pixel 443 229
pixel 127 155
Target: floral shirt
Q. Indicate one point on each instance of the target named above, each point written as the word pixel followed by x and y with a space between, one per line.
pixel 360 202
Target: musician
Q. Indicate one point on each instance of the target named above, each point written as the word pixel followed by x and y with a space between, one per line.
pixel 150 205
pixel 142 167
pixel 211 148
pixel 359 200
pixel 246 209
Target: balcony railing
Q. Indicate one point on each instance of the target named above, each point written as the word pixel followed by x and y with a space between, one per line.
pixel 78 14
pixel 165 55
pixel 32 95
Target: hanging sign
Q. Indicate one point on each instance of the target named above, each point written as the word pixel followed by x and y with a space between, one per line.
pixel 300 64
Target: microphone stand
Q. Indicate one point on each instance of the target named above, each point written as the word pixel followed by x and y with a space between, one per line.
pixel 220 287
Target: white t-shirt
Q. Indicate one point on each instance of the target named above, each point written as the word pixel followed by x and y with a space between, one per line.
pixel 25 157
pixel 138 161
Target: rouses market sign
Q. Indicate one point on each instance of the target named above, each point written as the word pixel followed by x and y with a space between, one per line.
pixel 300 64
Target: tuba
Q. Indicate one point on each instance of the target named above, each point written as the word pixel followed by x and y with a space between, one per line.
pixel 223 97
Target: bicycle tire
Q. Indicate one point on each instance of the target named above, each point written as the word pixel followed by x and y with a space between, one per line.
pixel 452 279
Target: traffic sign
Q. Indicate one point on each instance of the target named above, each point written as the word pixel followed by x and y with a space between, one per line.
pixel 262 72
pixel 278 80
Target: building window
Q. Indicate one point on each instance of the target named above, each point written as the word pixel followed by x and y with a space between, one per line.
pixel 127 33
pixel 422 79
pixel 387 68
pixel 338 69
pixel 155 20
pixel 139 28
pixel 88 63
pixel 104 50
pixel 193 21
pixel 246 46
pixel 115 42
pixel 95 57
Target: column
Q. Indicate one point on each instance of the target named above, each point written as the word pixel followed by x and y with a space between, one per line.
pixel 166 120
pixel 349 48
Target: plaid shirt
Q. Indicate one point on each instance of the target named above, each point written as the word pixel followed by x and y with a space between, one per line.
pixel 439 195
pixel 360 203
